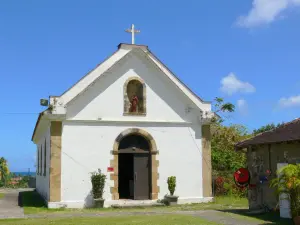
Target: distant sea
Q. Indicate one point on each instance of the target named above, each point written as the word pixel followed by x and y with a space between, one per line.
pixel 24 173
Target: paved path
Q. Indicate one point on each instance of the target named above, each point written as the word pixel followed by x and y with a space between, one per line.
pixel 223 218
pixel 9 205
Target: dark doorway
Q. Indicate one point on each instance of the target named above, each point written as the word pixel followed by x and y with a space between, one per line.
pixel 134 141
pixel 126 176
pixel 134 168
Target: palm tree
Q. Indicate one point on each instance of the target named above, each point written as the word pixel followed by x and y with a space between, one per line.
pixel 4 171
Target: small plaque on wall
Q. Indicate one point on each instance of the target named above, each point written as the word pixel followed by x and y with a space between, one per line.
pixel 110 169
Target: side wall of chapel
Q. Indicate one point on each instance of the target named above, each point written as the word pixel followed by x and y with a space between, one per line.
pixel 42 164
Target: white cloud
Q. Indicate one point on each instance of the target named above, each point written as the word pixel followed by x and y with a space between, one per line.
pixel 242 106
pixel 265 12
pixel 231 84
pixel 292 101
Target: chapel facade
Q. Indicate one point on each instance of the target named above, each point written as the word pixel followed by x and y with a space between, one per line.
pixel 133 119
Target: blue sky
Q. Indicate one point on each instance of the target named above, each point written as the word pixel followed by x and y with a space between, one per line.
pixel 245 51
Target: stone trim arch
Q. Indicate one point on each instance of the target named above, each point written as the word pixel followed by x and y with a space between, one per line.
pixel 154 162
pixel 126 100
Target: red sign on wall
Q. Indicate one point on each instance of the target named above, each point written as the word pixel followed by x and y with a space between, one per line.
pixel 110 169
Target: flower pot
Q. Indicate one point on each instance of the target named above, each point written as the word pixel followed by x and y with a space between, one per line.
pixel 98 203
pixel 171 199
pixel 296 220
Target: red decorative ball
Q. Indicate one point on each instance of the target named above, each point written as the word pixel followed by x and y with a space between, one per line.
pixel 242 177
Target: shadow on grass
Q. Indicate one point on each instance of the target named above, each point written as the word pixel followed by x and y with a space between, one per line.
pixel 31 199
pixel 270 218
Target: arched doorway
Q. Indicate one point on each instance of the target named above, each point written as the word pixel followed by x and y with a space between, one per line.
pixel 134 166
pixel 114 163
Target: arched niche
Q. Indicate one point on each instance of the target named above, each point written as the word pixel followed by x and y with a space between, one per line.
pixel 134 96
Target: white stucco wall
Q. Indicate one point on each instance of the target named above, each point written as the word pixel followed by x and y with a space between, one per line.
pixel 42 182
pixel 95 118
pixel 120 57
pixel 86 147
pixel 104 99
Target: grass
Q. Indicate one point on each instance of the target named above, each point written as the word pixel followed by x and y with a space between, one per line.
pixel 231 207
pixel 34 204
pixel 128 220
pixel 1 195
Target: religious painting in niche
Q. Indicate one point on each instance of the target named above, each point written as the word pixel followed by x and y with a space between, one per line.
pixel 135 97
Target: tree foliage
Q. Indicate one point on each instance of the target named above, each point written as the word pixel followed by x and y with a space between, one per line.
pixel 4 171
pixel 224 156
pixel 265 128
pixel 221 108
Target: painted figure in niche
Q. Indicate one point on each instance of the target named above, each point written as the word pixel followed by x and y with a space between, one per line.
pixel 135 97
pixel 134 104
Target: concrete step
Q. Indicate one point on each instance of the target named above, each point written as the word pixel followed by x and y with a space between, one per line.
pixel 136 204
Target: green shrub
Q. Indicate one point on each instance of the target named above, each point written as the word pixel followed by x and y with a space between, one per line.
pixel 98 183
pixel 288 182
pixel 172 184
pixel 224 185
pixel 228 188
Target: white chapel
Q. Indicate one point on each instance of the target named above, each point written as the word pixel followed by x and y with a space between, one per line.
pixel 135 120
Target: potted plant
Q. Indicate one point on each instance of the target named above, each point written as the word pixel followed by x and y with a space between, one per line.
pixel 171 199
pixel 98 183
pixel 288 183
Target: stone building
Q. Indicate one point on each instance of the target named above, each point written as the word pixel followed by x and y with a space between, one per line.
pixel 264 152
pixel 135 120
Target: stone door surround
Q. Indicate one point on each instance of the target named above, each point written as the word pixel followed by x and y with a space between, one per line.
pixel 114 163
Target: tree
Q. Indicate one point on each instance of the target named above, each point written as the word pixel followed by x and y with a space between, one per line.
pixel 4 171
pixel 265 128
pixel 222 108
pixel 224 156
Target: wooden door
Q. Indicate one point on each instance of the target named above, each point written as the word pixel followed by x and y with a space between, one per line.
pixel 141 176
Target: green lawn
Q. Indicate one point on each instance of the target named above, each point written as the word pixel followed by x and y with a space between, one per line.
pixel 33 204
pixel 129 220
pixel 1 195
pixel 233 207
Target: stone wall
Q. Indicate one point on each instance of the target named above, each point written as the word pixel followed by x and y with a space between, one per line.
pixel 259 160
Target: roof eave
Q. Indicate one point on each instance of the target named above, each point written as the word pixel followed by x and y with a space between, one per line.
pixel 37 123
pixel 48 115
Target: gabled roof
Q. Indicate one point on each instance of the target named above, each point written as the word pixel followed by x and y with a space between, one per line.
pixel 285 133
pixel 123 51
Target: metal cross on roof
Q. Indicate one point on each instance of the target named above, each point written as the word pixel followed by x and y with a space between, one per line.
pixel 132 31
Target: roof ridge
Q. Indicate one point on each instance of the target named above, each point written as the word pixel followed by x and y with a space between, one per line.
pixel 262 134
pixel 280 126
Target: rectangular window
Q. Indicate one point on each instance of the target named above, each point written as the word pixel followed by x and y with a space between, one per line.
pixel 45 156
pixel 38 161
pixel 41 160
